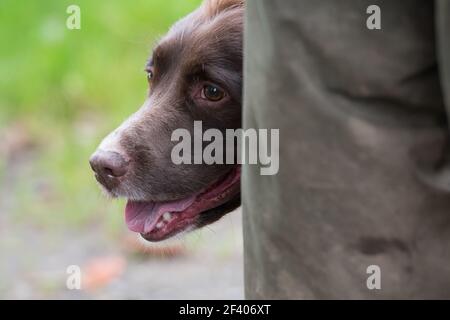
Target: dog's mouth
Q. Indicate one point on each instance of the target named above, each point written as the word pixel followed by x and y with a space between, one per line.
pixel 157 221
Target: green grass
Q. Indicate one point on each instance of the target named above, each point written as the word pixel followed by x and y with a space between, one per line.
pixel 67 89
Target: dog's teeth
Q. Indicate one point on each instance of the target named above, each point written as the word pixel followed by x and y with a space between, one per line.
pixel 167 216
pixel 159 225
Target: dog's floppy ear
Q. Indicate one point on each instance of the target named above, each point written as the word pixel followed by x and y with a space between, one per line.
pixel 214 7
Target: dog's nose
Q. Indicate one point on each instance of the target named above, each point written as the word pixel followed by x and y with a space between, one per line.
pixel 108 166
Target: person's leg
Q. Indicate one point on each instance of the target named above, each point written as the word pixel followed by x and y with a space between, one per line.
pixel 362 127
pixel 443 45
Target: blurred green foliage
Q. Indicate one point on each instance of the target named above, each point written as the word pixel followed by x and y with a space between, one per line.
pixel 66 89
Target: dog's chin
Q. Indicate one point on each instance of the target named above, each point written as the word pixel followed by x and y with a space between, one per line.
pixel 157 221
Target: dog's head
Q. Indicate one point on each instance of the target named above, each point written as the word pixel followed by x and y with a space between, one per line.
pixel 194 74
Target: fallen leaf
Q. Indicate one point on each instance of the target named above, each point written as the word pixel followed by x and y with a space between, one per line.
pixel 100 271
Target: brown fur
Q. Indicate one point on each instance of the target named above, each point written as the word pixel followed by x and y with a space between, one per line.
pixel 205 46
pixel 211 8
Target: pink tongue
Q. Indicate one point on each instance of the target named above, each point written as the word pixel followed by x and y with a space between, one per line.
pixel 142 216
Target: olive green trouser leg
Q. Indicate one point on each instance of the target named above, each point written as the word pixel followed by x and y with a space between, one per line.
pixel 363 149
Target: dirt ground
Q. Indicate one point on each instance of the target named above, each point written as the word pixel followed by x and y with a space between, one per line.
pixel 33 265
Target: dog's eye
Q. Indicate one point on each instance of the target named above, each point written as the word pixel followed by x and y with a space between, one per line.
pixel 212 93
pixel 149 75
